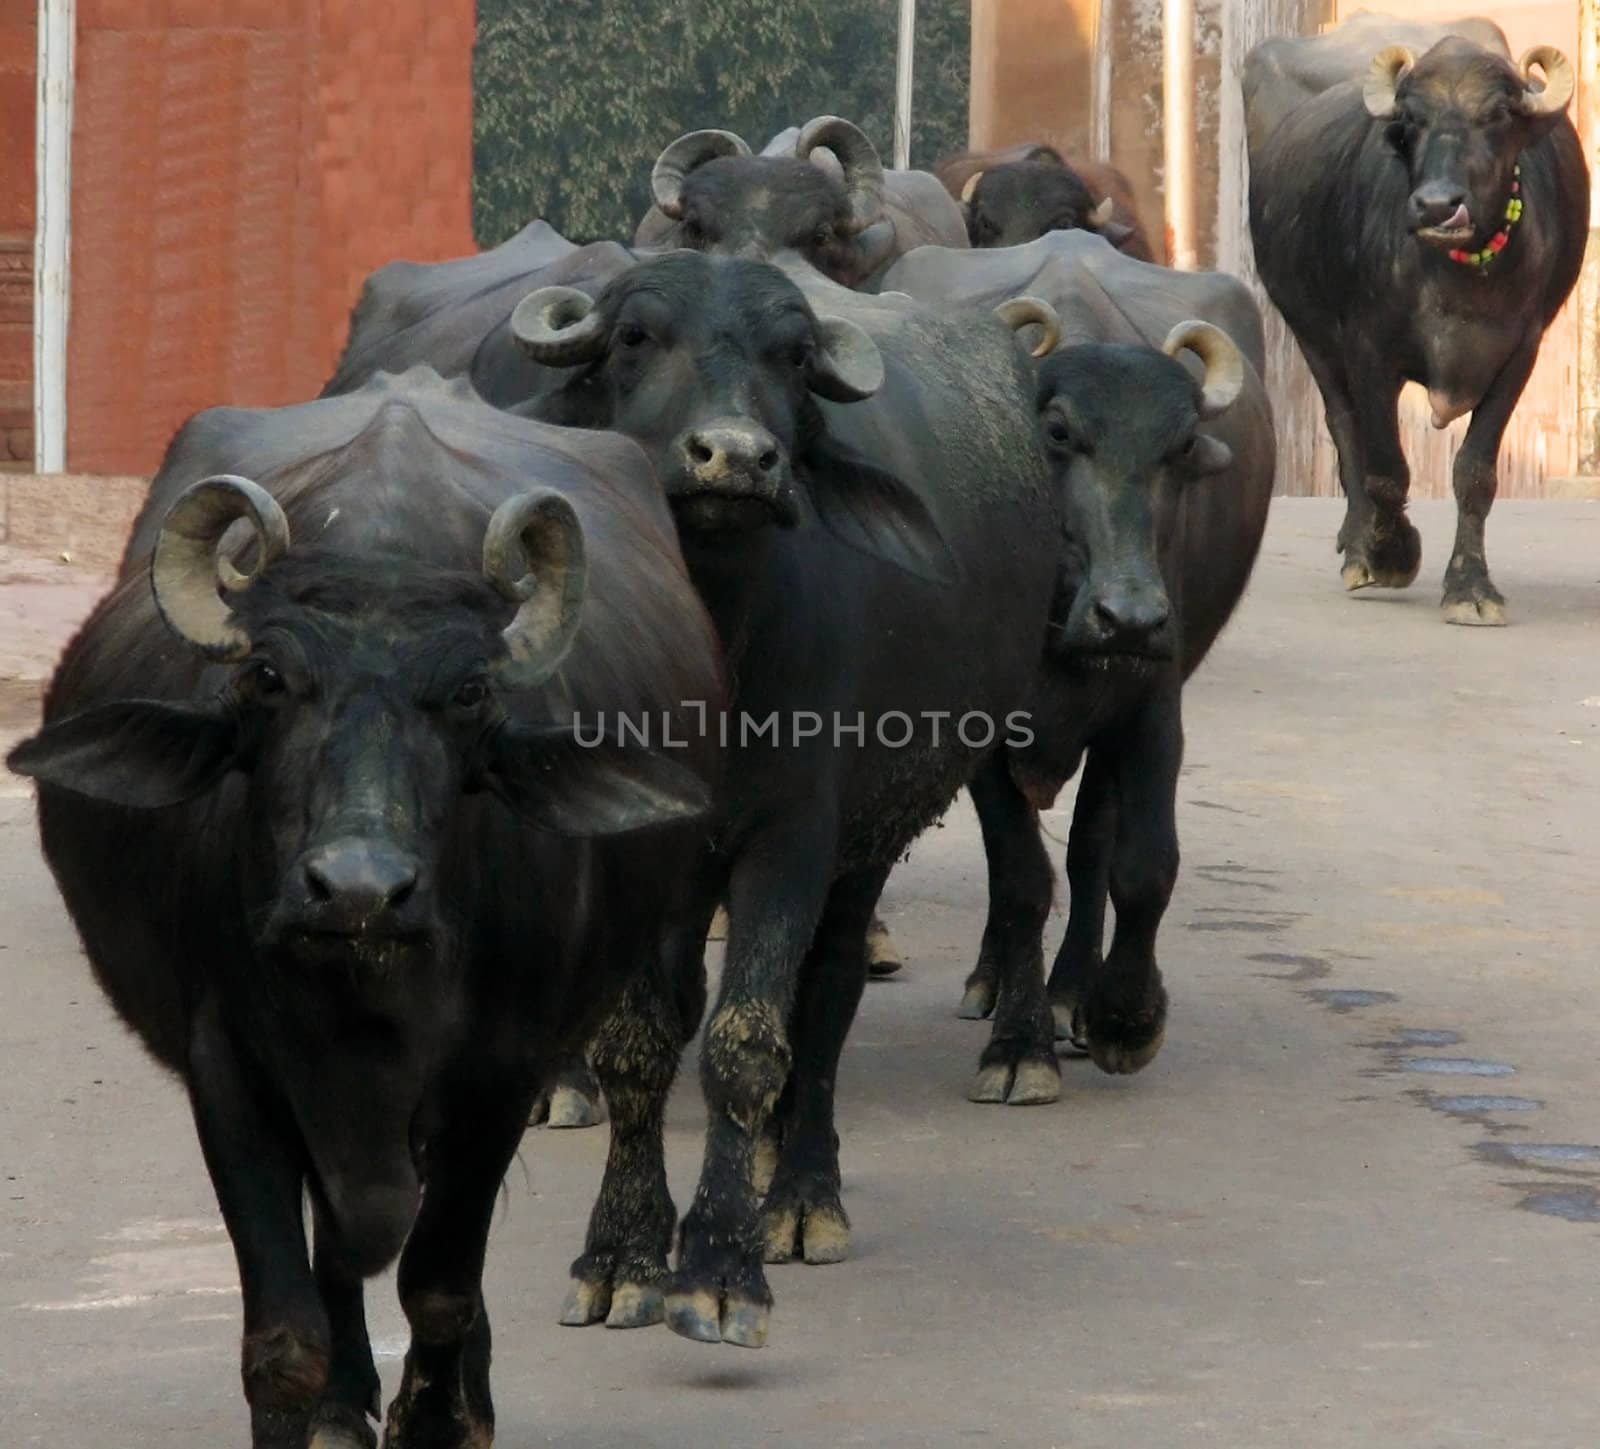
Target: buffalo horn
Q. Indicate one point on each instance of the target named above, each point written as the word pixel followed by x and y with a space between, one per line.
pixel 1389 68
pixel 863 171
pixel 1019 312
pixel 188 565
pixel 681 157
pixel 1224 363
pixel 1558 81
pixel 559 327
pixel 533 555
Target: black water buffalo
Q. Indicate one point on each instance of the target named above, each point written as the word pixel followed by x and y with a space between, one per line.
pixel 818 190
pixel 1013 196
pixel 865 510
pixel 453 316
pixel 311 785
pixel 1167 479
pixel 1419 207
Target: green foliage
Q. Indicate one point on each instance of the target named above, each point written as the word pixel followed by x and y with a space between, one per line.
pixel 576 98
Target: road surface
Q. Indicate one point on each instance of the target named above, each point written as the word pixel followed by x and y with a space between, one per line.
pixel 1355 1202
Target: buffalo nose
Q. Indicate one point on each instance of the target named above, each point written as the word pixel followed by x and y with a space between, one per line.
pixel 716 453
pixel 1439 204
pixel 356 881
pixel 1129 616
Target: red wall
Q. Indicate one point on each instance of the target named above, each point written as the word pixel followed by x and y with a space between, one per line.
pixel 18 57
pixel 238 168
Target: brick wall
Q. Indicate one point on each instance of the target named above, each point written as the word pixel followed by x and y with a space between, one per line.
pixel 238 168
pixel 18 61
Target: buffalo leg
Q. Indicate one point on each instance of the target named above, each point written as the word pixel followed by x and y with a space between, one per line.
pixel 1125 1010
pixel 1078 961
pixel 1381 546
pixel 718 1292
pixel 636 1052
pixel 1018 1066
pixel 444 1400
pixel 258 1177
pixel 803 1213
pixel 353 1391
pixel 1469 596
pixel 573 1096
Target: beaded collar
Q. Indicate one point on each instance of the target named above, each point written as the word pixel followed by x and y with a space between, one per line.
pixel 1497 243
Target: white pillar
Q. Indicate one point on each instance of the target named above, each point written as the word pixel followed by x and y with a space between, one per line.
pixel 1177 126
pixel 52 236
pixel 904 52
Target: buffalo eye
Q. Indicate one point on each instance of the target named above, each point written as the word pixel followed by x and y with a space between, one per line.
pixel 693 233
pixel 1058 432
pixel 822 236
pixel 1498 114
pixel 631 334
pixel 263 679
pixel 470 693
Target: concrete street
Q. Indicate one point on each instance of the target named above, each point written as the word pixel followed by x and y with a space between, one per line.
pixel 1355 1202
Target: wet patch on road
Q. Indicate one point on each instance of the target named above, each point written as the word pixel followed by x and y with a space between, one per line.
pixel 1576 1203
pixel 1306 968
pixel 1456 1067
pixel 1345 999
pixel 1424 1036
pixel 1541 1156
pixel 1479 1108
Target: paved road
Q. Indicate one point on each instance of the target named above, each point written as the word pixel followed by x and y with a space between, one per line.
pixel 1353 1203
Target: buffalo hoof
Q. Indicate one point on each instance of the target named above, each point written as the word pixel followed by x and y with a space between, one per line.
pixel 1125 1035
pixel 573 1107
pixel 806 1224
pixel 1358 573
pixel 977 1000
pixel 707 1316
pixel 1069 1029
pixel 1483 611
pixel 625 1305
pixel 337 1426
pixel 882 958
pixel 764 1161
pixel 1028 1083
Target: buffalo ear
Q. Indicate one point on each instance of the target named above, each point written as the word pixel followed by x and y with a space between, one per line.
pixel 873 248
pixel 142 754
pixel 874 512
pixel 580 789
pixel 1211 455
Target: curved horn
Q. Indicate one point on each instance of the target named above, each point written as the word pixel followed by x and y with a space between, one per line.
pixel 847 366
pixel 968 190
pixel 863 171
pixel 187 566
pixel 559 326
pixel 1389 67
pixel 1559 81
pixel 533 555
pixel 1020 311
pixel 1224 363
pixel 1102 214
pixel 681 157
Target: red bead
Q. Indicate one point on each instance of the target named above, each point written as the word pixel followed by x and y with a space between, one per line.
pixel 1497 241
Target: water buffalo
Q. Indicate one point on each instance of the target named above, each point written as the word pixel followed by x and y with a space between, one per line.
pixel 866 512
pixel 311 786
pixel 1167 479
pixel 1419 207
pixel 818 190
pixel 1013 196
pixel 452 316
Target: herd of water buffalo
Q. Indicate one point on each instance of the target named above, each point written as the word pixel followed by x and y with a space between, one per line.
pixel 429 722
